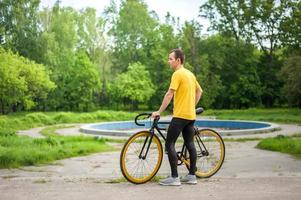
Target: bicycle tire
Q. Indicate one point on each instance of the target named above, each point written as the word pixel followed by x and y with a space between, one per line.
pixel 208 165
pixel 138 170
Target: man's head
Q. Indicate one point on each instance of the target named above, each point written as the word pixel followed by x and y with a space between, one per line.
pixel 176 58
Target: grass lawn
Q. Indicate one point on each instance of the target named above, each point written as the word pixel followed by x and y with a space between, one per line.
pixel 16 151
pixel 26 120
pixel 270 115
pixel 283 144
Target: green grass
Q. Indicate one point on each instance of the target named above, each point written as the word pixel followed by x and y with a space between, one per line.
pixel 16 151
pixel 283 144
pixel 9 124
pixel 270 115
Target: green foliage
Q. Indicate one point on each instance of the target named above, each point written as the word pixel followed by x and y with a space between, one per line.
pixel 198 60
pixel 133 34
pixel 291 74
pixel 157 63
pixel 210 83
pixel 84 54
pixel 268 24
pixel 81 84
pixel 134 85
pixel 256 21
pixel 282 144
pixel 19 27
pixel 59 38
pixel 228 73
pixel 91 34
pixel 74 72
pixel 190 42
pixel 23 82
pixel 290 26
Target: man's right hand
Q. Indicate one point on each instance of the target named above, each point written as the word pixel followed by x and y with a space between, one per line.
pixel 155 114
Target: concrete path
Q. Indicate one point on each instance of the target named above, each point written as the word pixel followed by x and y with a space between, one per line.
pixel 247 173
pixel 216 189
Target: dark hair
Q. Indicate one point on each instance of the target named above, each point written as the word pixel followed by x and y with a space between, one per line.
pixel 179 54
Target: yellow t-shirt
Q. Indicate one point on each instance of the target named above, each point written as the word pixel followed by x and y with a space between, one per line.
pixel 185 84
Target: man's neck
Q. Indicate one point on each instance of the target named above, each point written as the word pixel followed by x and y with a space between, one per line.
pixel 179 67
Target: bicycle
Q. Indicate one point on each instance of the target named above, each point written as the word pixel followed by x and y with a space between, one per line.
pixel 142 154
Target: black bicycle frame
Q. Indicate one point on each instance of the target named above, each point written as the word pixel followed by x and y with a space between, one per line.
pixel 203 150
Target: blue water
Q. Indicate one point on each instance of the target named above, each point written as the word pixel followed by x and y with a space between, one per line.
pixel 224 124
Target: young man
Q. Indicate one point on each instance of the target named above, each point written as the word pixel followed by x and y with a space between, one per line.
pixel 186 92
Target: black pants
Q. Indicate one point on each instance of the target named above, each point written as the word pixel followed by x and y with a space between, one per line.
pixel 177 126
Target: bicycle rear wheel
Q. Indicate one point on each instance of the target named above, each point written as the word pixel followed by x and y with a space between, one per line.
pixel 210 152
pixel 141 157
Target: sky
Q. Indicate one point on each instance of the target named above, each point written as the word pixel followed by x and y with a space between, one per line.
pixel 187 10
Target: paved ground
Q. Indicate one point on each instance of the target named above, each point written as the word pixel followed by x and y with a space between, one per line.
pixel 226 188
pixel 248 173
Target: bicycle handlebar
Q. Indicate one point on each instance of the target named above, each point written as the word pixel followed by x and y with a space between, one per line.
pixel 142 114
pixel 197 111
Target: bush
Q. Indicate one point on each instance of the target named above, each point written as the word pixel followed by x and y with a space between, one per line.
pixel 63 118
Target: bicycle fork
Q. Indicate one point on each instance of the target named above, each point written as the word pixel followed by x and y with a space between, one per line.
pixel 146 143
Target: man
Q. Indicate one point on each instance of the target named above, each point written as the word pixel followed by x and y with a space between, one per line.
pixel 186 92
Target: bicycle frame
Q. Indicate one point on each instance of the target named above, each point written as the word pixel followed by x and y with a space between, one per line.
pixel 180 155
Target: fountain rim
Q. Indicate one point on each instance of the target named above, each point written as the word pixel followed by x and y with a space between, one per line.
pixel 270 127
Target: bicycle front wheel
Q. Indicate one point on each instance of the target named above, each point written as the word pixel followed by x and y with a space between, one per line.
pixel 210 152
pixel 141 157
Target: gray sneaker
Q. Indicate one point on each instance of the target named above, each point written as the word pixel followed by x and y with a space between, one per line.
pixel 189 179
pixel 170 181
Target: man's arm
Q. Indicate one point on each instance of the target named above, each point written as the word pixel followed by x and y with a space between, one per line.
pixel 198 94
pixel 167 98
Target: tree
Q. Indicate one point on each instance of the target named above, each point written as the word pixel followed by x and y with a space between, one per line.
pixel 263 23
pixel 135 85
pixel 157 62
pixel 255 21
pixel 81 84
pixel 91 32
pixel 209 81
pixel 231 76
pixel 290 27
pixel 136 35
pixel 190 41
pixel 133 34
pixel 291 74
pixel 59 39
pixel 24 84
pixel 19 27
